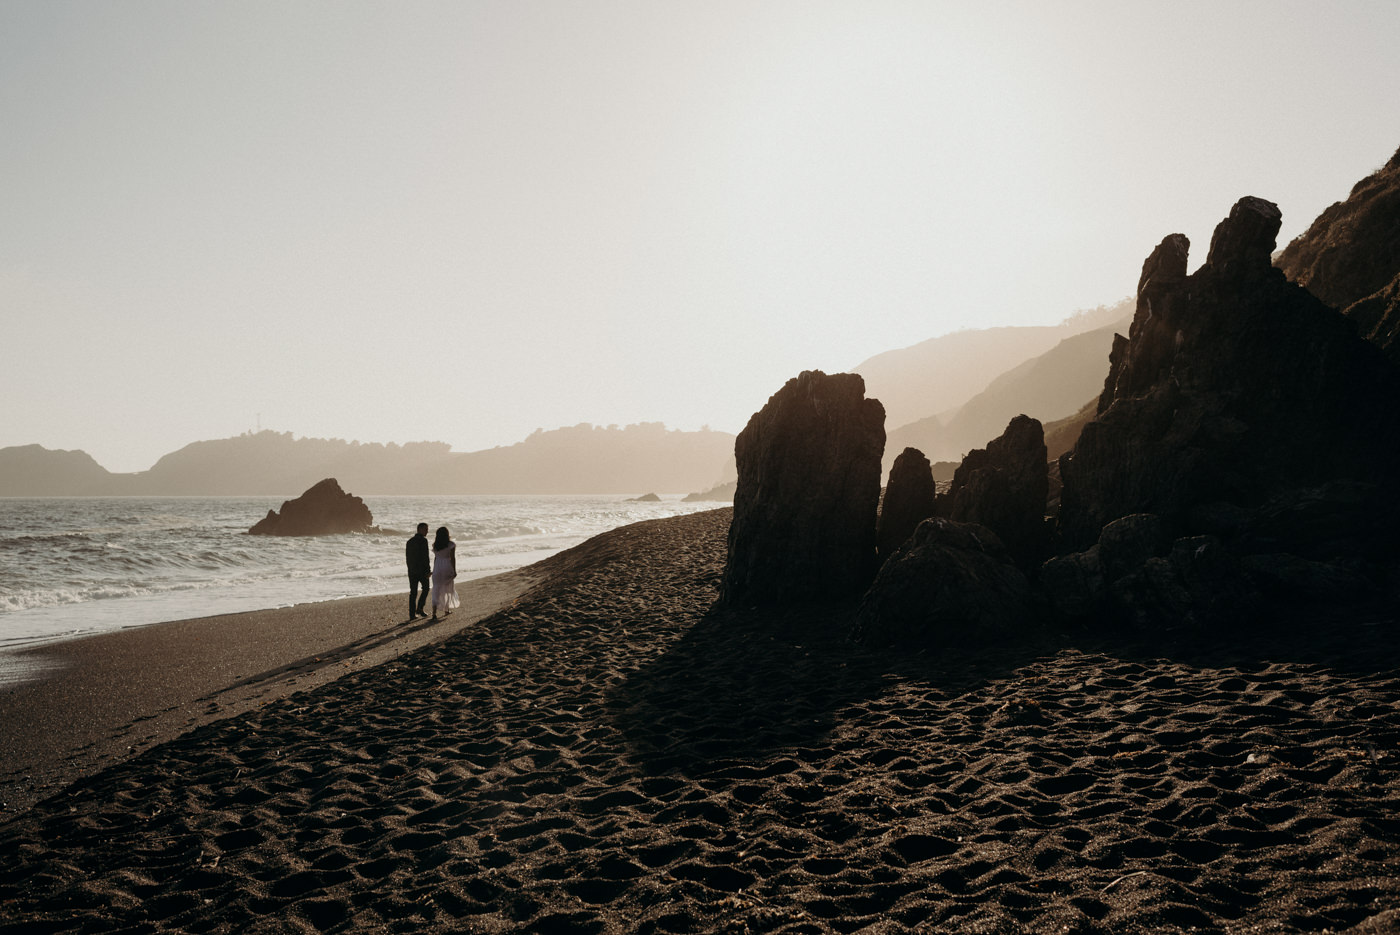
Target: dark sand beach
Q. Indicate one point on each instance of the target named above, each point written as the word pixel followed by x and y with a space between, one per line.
pixel 605 754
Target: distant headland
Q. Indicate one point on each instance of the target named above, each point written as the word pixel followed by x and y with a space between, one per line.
pixel 581 459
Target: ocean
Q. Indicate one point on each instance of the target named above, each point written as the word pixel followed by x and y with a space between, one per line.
pixel 75 566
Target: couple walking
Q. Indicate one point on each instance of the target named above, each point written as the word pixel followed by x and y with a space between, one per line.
pixel 438 574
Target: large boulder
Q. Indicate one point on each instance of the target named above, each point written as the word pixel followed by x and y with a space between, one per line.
pixel 951 584
pixel 807 495
pixel 909 499
pixel 1004 488
pixel 324 510
pixel 1233 388
pixel 1198 584
pixel 1077 586
pixel 1135 577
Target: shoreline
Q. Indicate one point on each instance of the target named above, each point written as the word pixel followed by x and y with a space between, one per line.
pixel 612 753
pixel 95 700
pixel 17 658
pixel 101 568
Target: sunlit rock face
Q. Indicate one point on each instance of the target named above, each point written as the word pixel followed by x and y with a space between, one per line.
pixel 1350 257
pixel 323 510
pixel 909 498
pixel 808 491
pixel 1004 487
pixel 1241 408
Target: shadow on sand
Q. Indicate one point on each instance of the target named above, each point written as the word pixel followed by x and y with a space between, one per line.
pixel 748 685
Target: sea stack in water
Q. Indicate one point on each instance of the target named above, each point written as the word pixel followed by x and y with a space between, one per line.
pixel 808 491
pixel 1243 410
pixel 324 510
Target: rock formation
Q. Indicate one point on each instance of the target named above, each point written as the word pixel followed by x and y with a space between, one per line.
pixel 950 584
pixel 807 495
pixel 323 510
pixel 1250 420
pixel 909 498
pixel 1003 487
pixel 1135 576
pixel 1350 257
pixel 1233 387
pixel 1377 317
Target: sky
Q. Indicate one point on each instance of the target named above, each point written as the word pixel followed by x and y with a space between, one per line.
pixel 463 221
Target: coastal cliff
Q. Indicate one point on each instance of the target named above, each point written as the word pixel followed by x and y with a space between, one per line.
pixel 1350 257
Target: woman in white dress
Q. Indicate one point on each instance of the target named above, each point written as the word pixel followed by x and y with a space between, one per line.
pixel 444 571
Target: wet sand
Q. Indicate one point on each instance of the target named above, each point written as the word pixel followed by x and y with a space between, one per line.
pixel 99 700
pixel 607 754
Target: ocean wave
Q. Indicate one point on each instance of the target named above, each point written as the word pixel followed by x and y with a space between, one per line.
pixel 191 557
pixel 501 532
pixel 32 598
pixel 45 540
pixel 15 601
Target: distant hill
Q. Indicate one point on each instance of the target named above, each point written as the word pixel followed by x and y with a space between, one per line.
pixel 1051 386
pixel 1061 434
pixel 34 471
pixel 941 374
pixel 720 492
pixel 280 463
pixel 579 459
pixel 593 459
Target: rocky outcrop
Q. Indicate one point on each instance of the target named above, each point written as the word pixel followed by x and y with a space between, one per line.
pixel 951 584
pixel 1135 576
pixel 645 498
pixel 909 498
pixel 324 510
pixel 807 495
pixel 1377 317
pixel 1350 256
pixel 1257 430
pixel 1233 387
pixel 1004 487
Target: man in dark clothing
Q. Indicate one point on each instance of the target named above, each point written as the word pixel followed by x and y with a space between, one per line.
pixel 420 571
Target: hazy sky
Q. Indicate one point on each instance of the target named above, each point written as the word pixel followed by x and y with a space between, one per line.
pixel 462 221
